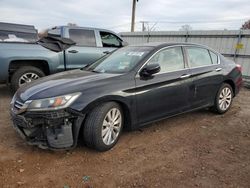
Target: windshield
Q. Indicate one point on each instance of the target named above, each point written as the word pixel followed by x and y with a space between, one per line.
pixel 121 61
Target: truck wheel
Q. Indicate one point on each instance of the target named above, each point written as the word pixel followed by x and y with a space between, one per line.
pixel 223 100
pixel 25 75
pixel 103 126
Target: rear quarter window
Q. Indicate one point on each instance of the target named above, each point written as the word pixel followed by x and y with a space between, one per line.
pixel 214 57
pixel 83 37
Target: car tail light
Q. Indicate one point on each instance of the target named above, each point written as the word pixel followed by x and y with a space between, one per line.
pixel 239 67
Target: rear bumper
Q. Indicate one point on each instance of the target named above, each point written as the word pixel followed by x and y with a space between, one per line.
pixel 238 85
pixel 55 130
pixel 246 81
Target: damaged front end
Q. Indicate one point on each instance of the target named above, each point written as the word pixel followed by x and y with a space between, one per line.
pixel 57 129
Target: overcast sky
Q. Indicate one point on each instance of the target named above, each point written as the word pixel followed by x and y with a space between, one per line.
pixel 116 14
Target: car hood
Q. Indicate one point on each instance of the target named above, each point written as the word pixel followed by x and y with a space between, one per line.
pixel 62 83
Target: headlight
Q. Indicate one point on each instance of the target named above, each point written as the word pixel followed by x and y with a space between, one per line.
pixel 53 103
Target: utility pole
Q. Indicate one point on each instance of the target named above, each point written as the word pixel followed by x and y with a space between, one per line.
pixel 143 25
pixel 133 16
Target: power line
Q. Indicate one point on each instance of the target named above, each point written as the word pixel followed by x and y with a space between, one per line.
pixel 196 21
pixel 179 22
pixel 151 24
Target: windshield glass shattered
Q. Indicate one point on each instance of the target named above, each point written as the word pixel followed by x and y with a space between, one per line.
pixel 121 61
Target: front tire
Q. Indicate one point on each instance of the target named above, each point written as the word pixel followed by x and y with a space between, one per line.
pixel 25 75
pixel 103 126
pixel 223 99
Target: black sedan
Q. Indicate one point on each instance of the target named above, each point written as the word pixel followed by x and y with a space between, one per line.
pixel 129 88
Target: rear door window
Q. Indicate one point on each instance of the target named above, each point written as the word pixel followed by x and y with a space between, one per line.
pixel 83 37
pixel 110 40
pixel 198 57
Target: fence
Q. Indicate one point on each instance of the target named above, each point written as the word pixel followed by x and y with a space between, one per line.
pixel 234 44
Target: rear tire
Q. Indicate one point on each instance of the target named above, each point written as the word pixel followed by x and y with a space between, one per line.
pixel 25 75
pixel 224 99
pixel 103 126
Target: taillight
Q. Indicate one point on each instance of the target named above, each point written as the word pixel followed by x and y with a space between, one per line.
pixel 239 67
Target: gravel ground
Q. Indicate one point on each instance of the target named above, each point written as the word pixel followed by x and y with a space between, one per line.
pixel 198 149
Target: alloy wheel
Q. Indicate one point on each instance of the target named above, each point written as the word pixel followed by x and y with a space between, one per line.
pixel 225 98
pixel 111 126
pixel 27 78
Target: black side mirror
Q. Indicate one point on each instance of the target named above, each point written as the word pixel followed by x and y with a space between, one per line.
pixel 150 69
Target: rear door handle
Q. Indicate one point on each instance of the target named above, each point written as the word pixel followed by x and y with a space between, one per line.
pixel 73 51
pixel 185 76
pixel 218 69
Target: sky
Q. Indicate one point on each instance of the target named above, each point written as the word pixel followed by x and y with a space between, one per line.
pixel 116 14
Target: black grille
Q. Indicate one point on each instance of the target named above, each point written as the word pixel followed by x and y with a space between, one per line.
pixel 47 114
pixel 19 121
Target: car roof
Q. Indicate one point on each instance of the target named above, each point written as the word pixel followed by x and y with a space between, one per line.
pixel 80 27
pixel 159 45
pixel 165 44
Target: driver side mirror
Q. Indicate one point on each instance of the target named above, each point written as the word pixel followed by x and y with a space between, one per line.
pixel 150 69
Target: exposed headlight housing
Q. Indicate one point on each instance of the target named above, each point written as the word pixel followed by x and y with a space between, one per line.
pixel 53 103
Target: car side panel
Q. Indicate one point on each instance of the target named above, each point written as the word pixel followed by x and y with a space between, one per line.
pixel 231 73
pixel 80 56
pixel 206 83
pixel 162 96
pixel 122 90
pixel 22 52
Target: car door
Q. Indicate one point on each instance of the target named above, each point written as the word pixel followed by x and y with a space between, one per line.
pixel 167 92
pixel 85 51
pixel 206 74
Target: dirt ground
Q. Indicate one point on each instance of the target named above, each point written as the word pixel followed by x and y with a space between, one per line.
pixel 198 149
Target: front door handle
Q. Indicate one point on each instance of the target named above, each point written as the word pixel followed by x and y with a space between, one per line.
pixel 73 51
pixel 185 76
pixel 218 69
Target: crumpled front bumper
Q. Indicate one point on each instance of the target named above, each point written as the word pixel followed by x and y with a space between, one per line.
pixel 49 129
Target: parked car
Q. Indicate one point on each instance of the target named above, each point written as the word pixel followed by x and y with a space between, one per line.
pixel 129 88
pixel 23 62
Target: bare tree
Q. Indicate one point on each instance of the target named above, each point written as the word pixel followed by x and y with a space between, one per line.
pixel 246 25
pixel 186 28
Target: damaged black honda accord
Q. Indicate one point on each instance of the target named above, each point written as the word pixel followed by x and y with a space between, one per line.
pixel 129 88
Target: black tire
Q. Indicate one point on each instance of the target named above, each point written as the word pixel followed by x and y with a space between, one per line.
pixel 217 108
pixel 22 71
pixel 92 131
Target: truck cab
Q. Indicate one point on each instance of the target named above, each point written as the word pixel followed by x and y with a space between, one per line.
pixel 91 44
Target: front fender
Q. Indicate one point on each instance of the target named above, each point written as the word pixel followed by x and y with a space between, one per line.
pixel 127 103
